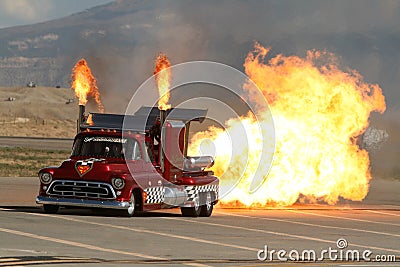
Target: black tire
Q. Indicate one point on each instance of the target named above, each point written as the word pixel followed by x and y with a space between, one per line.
pixel 207 209
pixel 50 209
pixel 131 210
pixel 192 211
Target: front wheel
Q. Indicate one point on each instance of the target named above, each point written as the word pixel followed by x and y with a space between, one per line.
pixel 50 209
pixel 130 211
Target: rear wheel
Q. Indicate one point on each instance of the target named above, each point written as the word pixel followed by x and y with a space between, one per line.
pixel 192 211
pixel 50 209
pixel 207 209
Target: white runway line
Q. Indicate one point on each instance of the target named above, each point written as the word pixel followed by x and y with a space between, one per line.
pixel 310 224
pixel 42 262
pixel 78 244
pixel 341 217
pixel 8 259
pixel 91 247
pixel 192 239
pixel 23 250
pixel 218 225
pixel 383 213
pixel 370 265
pixel 120 227
pixel 396 207
pixel 283 234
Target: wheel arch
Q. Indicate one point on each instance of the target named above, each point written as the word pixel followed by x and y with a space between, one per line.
pixel 138 193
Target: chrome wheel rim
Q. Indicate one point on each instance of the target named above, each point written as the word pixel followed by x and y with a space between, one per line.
pixel 208 201
pixel 196 202
pixel 131 208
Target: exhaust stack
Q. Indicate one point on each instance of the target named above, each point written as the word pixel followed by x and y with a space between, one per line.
pixel 163 117
pixel 81 117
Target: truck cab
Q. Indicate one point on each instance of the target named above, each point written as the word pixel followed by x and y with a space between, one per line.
pixel 132 163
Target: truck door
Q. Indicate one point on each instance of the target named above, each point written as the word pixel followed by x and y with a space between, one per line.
pixel 155 186
pixel 136 162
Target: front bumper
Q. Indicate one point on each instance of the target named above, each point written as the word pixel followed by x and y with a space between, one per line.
pixel 106 204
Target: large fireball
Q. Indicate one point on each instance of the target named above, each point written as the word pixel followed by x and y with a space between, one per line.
pixel 319 112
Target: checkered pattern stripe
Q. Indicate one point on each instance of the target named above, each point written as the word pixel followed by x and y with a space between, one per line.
pixel 155 195
pixel 192 191
pixel 89 161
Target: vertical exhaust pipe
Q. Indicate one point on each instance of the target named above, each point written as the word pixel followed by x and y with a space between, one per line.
pixel 186 144
pixel 81 117
pixel 163 116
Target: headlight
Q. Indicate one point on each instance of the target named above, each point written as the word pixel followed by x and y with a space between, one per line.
pixel 45 177
pixel 118 183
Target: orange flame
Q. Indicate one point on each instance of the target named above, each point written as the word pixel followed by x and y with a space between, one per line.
pixel 319 111
pixel 84 84
pixel 163 79
pixel 89 119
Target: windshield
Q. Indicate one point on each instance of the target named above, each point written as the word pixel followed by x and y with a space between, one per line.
pixel 107 147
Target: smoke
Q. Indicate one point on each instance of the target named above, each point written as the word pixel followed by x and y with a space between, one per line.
pixel 384 144
pixel 364 34
pixel 145 31
pixel 373 138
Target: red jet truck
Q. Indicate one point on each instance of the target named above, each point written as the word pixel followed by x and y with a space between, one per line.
pixel 133 163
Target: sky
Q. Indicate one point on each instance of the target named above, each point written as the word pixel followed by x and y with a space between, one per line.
pixel 21 12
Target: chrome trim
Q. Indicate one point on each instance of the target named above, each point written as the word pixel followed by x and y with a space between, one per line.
pixel 113 183
pixel 79 184
pixel 108 204
pixel 41 179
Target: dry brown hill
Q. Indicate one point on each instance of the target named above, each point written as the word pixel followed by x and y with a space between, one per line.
pixel 39 111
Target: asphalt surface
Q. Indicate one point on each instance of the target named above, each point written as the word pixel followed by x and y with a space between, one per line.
pixel 231 237
pixel 36 142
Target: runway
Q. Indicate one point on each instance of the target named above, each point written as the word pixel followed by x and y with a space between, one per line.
pixel 36 142
pixel 231 237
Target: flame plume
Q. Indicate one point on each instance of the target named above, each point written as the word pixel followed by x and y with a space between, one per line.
pixel 163 79
pixel 319 112
pixel 84 84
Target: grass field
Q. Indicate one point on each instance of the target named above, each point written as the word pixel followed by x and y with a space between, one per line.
pixel 23 162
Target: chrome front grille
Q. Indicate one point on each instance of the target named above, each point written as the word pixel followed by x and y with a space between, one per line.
pixel 81 189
